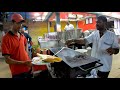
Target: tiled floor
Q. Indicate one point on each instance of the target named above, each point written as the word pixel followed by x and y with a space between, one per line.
pixel 4 69
pixel 115 72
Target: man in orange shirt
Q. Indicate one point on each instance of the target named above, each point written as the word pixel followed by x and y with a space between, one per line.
pixel 14 50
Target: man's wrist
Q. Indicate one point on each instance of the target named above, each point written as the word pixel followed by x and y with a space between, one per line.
pixel 21 62
pixel 113 51
pixel 73 40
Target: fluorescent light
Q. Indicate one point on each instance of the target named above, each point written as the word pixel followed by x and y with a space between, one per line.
pixel 115 15
pixel 44 15
pixel 63 19
pixel 38 18
pixel 79 16
pixel 71 15
pixel 106 13
pixel 36 14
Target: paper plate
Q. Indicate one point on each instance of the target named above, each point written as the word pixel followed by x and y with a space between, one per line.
pixel 38 61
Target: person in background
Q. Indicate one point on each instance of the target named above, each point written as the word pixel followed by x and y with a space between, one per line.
pixel 105 44
pixel 29 39
pixel 14 45
pixel 69 33
pixel 69 26
pixel 110 26
pixel 25 28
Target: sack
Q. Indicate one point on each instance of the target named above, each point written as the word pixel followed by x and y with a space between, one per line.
pixel 93 74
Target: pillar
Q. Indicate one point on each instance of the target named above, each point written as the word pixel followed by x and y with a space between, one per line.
pixel 58 25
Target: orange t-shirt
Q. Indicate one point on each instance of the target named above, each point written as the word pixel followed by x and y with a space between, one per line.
pixel 15 47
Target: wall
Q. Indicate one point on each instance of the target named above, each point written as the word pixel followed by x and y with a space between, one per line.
pixel 81 24
pixel 63 23
pixel 6 27
pixel 117 26
pixel 37 29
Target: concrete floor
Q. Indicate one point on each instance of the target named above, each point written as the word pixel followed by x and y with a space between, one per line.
pixel 115 72
pixel 4 68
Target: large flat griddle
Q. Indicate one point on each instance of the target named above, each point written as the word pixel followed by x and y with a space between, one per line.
pixel 71 53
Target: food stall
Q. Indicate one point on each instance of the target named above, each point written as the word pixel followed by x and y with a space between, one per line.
pixel 56 39
pixel 73 63
pixel 67 63
pixel 49 40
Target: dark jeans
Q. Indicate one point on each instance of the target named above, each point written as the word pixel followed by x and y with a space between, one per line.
pixel 23 75
pixel 44 75
pixel 103 74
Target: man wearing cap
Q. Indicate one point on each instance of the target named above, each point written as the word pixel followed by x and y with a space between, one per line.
pixel 105 44
pixel 29 40
pixel 14 50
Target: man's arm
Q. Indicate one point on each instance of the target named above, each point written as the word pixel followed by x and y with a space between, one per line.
pixel 86 40
pixel 26 44
pixel 12 61
pixel 112 51
pixel 65 28
pixel 115 46
pixel 26 47
pixel 116 50
pixel 80 41
pixel 77 41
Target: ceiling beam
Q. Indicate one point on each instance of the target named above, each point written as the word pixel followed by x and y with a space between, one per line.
pixel 48 16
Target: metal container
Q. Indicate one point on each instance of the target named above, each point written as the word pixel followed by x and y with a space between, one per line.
pixel 69 69
pixel 72 53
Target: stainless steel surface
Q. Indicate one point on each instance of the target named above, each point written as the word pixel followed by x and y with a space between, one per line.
pixel 48 43
pixel 72 53
pixel 56 39
pixel 70 35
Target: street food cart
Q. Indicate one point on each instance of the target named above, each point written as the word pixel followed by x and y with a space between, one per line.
pixel 73 63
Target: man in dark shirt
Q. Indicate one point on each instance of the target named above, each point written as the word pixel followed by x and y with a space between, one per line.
pixel 29 39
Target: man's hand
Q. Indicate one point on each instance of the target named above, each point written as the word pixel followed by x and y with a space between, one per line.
pixel 77 41
pixel 73 41
pixel 28 63
pixel 80 41
pixel 68 42
pixel 110 50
